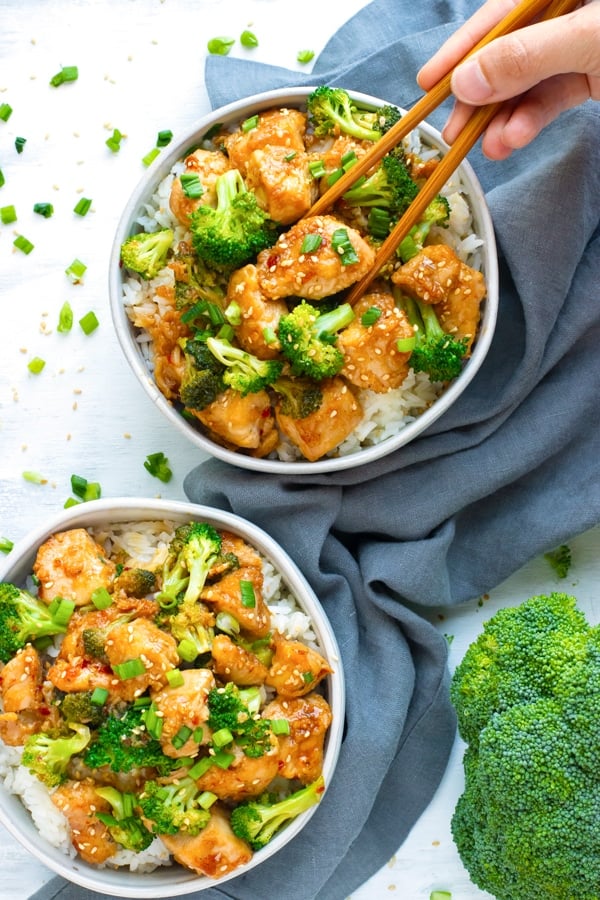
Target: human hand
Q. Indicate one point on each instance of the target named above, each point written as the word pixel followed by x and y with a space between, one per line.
pixel 539 70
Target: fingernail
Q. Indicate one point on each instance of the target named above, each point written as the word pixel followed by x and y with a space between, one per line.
pixel 470 84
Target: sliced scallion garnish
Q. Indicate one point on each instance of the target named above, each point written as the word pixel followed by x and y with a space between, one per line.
pixel 89 322
pixel 131 668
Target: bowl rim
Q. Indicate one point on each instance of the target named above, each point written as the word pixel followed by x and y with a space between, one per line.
pixel 126 333
pixel 171 880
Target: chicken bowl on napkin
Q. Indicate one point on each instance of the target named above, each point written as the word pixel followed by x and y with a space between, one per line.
pixel 172 697
pixel 229 298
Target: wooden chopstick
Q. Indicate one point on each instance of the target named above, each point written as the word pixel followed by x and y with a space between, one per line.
pixel 474 128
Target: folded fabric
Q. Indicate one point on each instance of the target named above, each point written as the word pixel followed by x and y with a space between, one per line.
pixel 511 470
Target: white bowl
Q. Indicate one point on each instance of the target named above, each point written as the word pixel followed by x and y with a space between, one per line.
pixel 170 880
pixel 127 334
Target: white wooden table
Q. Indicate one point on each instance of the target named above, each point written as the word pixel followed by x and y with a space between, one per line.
pixel 84 413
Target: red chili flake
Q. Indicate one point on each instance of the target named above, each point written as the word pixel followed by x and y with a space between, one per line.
pixel 272 261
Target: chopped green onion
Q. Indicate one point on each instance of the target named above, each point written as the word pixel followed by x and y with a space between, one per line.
pixel 66 74
pixel 308 677
pixel 76 270
pixel 34 477
pixel 114 141
pixel 247 594
pixel 340 243
pixel 82 207
pixel 153 722
pixel 141 702
pixel 305 56
pixel 191 185
pixel 187 650
pixel 248 39
pixel 65 318
pixel 158 466
pixel 86 490
pixel 198 734
pixel 89 322
pixel 175 678
pixel 23 244
pixel 406 345
pixel 206 799
pixel 334 176
pixel 71 501
pixel 223 760
pixel 222 737
pixel 348 160
pixel 149 158
pixel 226 333
pixel 61 609
pixel 233 313
pixel 6 545
pixel 36 365
pixel 280 726
pixel 8 214
pixel 183 735
pixel 269 336
pixel 379 223
pixel 220 46
pixel 99 696
pixel 43 209
pixel 201 767
pixel 311 243
pixel 92 491
pixel 290 156
pixel 440 895
pixel 164 138
pixel 5 111
pixel 370 316
pixel 101 598
pixel 2 178
pixel 131 668
pixel 317 168
pixel 20 144
pixel 250 124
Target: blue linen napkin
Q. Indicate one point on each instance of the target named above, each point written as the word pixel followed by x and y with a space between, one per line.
pixel 511 470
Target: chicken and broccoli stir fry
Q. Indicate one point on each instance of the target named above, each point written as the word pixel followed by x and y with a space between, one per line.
pixel 243 295
pixel 157 701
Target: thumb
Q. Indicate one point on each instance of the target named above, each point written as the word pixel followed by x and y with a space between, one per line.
pixel 513 64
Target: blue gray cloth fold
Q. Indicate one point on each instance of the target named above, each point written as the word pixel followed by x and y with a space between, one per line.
pixel 511 470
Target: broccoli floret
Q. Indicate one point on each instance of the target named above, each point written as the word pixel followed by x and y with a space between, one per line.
pixel 298 397
pixel 23 618
pixel 123 825
pixel 47 754
pixel 94 639
pixel 331 110
pixel 78 707
pixel 243 372
pixel 308 339
pixel 191 626
pixel 436 213
pixel 202 379
pixel 434 350
pixel 526 695
pixel 236 710
pixel 237 230
pixel 560 559
pixel 257 821
pixel 191 554
pixel 123 744
pixel 174 808
pixel 195 282
pixel 135 582
pixel 146 253
pixel 390 187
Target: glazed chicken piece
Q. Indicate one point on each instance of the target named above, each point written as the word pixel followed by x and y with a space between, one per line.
pixel 163 323
pixel 436 275
pixel 245 422
pixel 72 565
pixel 259 315
pixel 214 852
pixel 226 596
pixel 234 663
pixel 25 710
pixel 333 154
pixel 141 639
pixel 78 801
pixel 296 668
pixel 371 357
pixel 185 705
pixel 207 165
pixel 275 128
pixel 285 271
pixel 301 751
pixel 246 776
pixel 282 183
pixel 320 432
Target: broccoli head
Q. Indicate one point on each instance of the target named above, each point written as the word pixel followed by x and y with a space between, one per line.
pixel 236 710
pixel 191 554
pixel 331 110
pixel 135 582
pixel 389 187
pixel 195 282
pixel 123 744
pixel 146 253
pixel 433 350
pixel 237 230
pixel 560 559
pixel 174 808
pixel 23 618
pixel 47 754
pixel 436 213
pixel 308 339
pixel 123 824
pixel 258 821
pixel 243 371
pixel 298 397
pixel 202 379
pixel 79 707
pixel 191 626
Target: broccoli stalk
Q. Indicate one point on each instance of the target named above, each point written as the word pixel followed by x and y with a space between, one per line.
pixel 298 397
pixel 257 821
pixel 146 253
pixel 47 755
pixel 237 230
pixel 174 808
pixel 390 187
pixel 331 110
pixel 437 213
pixel 23 618
pixel 435 351
pixel 243 372
pixel 123 825
pixel 308 339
